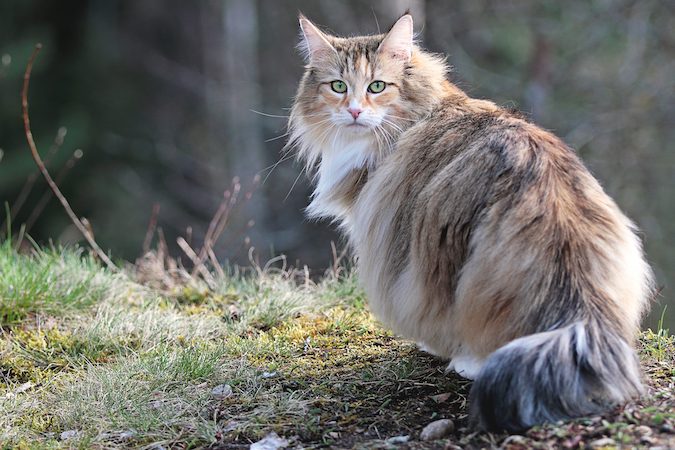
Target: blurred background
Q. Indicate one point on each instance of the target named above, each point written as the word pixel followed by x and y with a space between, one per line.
pixel 166 102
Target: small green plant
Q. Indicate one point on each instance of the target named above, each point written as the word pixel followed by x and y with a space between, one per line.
pixel 662 335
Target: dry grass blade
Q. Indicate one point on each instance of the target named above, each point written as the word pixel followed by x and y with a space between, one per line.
pixel 45 173
pixel 218 223
pixel 152 226
pixel 198 264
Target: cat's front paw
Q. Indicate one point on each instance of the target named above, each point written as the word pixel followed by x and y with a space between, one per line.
pixel 466 366
pixel 426 349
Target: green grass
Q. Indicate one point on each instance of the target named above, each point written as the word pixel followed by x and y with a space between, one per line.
pixel 99 360
pixel 51 282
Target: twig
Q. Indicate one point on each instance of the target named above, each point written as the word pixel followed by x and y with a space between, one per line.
pixel 218 222
pixel 216 264
pixel 199 265
pixel 42 203
pixel 36 156
pixel 32 178
pixel 152 226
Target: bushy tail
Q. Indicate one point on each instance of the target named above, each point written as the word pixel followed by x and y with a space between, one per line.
pixel 577 370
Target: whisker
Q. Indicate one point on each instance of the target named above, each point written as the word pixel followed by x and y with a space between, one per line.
pixel 277 137
pixel 402 118
pixel 274 166
pixel 268 115
pixel 293 185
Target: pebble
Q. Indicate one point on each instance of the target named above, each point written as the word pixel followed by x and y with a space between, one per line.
pixel 269 374
pixel 515 439
pixel 437 430
pixel 222 391
pixel 644 430
pixel 126 435
pixel 667 428
pixel 397 440
pixel 70 434
pixel 604 442
pixel 441 398
pixel 270 442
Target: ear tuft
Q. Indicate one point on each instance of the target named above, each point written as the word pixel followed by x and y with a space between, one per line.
pixel 398 42
pixel 314 44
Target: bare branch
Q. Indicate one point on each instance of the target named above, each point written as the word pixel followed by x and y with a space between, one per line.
pixel 36 156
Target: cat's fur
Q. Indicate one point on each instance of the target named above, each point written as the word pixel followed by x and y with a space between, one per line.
pixel 477 233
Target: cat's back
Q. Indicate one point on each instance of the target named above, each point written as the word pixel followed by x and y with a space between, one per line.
pixel 475 204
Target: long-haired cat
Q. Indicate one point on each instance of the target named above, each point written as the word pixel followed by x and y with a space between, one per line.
pixel 477 233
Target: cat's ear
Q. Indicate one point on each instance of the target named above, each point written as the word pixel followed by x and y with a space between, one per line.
pixel 398 43
pixel 314 44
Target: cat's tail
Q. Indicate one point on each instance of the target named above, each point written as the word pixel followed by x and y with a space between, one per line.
pixel 577 370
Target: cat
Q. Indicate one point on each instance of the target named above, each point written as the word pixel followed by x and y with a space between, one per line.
pixel 476 233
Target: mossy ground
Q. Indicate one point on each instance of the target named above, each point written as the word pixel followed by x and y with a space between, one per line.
pixel 130 366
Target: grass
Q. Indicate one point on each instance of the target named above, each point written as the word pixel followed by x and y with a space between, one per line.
pixel 50 282
pixel 91 359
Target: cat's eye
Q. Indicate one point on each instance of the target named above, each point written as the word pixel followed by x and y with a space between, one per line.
pixel 339 86
pixel 377 86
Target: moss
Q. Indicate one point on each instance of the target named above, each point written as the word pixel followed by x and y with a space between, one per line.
pixel 352 376
pixel 36 355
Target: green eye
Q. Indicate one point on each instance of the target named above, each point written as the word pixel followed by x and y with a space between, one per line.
pixel 377 86
pixel 339 86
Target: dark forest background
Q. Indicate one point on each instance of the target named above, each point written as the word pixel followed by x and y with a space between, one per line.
pixel 159 99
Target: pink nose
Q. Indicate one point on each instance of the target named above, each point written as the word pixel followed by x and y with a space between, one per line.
pixel 354 112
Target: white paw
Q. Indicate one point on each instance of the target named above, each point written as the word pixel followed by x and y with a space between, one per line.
pixel 426 349
pixel 466 366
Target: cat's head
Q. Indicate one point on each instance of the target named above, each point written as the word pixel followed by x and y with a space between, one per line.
pixel 364 89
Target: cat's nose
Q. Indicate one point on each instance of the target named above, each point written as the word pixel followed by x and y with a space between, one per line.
pixel 354 112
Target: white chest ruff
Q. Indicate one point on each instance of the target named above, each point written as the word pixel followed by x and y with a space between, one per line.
pixel 338 161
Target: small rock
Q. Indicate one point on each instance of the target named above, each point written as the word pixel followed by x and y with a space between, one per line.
pixel 515 439
pixel 604 442
pixel 441 398
pixel 126 435
pixel 222 391
pixel 643 430
pixel 70 434
pixel 666 428
pixel 270 442
pixel 269 374
pixel 333 434
pixel 397 440
pixel 437 430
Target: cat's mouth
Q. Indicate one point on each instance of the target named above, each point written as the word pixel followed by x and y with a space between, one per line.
pixel 357 126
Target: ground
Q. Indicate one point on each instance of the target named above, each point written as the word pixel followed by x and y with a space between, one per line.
pixel 151 357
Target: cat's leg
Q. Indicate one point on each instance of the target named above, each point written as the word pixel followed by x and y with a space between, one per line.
pixel 467 366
